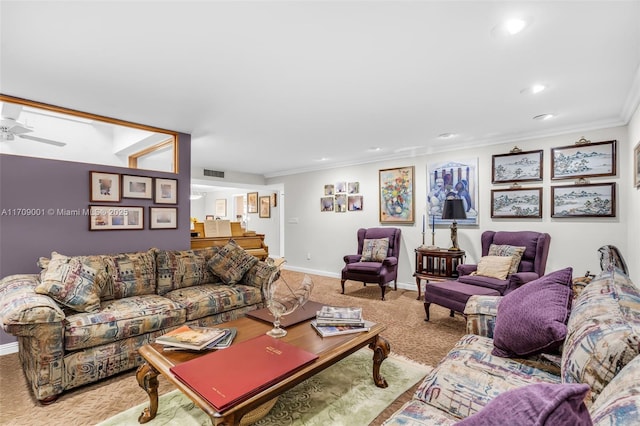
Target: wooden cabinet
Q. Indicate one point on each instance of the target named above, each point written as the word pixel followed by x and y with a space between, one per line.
pixel 436 265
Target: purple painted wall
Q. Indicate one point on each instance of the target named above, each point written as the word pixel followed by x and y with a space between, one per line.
pixel 50 185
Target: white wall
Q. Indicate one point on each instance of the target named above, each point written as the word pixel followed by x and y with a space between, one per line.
pixel 633 248
pixel 328 236
pixel 270 227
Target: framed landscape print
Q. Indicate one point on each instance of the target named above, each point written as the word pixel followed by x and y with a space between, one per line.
pixel 326 204
pixel 354 203
pixel 113 218
pixel 252 202
pixel 585 200
pixel 105 187
pixel 264 206
pixel 341 203
pixel 166 191
pixel 457 179
pixel 584 160
pixel 329 189
pixel 353 187
pixel 137 187
pixel 516 203
pixel 397 197
pixel 517 167
pixel 163 217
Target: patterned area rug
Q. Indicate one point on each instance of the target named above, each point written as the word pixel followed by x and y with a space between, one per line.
pixel 343 394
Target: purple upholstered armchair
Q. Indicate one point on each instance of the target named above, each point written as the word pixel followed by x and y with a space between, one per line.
pixel 532 264
pixel 375 266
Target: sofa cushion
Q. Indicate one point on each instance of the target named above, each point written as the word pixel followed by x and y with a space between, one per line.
pixel 231 262
pixel 532 318
pixel 619 401
pixel 493 267
pixel 537 404
pixel 480 281
pixel 515 252
pixel 120 319
pixel 603 332
pixel 374 250
pixel 20 304
pixel 259 274
pixel 185 268
pixel 75 282
pixel 469 377
pixel 209 299
pixel 132 274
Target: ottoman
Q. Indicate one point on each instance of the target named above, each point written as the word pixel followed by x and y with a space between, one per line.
pixel 452 295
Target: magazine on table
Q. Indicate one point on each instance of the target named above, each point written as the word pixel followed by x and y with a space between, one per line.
pixel 337 312
pixel 191 337
pixel 338 330
pixel 226 341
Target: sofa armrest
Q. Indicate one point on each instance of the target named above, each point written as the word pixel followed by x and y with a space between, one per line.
pixel 352 258
pixel 466 269
pixel 22 307
pixel 481 312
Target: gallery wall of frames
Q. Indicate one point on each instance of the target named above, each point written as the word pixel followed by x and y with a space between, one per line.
pixel 114 188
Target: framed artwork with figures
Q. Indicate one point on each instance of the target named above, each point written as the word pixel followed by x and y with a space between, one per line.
pixel 457 179
pixel 397 197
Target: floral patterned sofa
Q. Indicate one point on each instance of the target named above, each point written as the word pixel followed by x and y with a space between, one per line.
pixel 592 378
pixel 83 318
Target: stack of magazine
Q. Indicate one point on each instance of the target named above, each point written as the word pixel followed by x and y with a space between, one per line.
pixel 334 320
pixel 190 337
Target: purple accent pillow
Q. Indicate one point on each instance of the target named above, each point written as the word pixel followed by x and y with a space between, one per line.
pixel 533 318
pixel 538 404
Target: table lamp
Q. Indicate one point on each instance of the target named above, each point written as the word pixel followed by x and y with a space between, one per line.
pixel 453 209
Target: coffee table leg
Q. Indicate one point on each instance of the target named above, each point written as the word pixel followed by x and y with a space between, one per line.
pixel 147 377
pixel 381 350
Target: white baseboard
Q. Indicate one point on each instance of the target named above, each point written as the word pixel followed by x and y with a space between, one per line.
pixel 404 286
pixel 8 348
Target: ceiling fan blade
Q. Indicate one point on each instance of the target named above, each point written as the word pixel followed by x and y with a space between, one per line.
pixel 37 139
pixel 11 110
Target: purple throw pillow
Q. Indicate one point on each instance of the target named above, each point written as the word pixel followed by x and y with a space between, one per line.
pixel 533 318
pixel 538 404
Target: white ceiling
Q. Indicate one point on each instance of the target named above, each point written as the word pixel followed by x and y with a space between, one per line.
pixel 271 87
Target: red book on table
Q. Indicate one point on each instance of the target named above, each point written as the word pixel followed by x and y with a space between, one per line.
pixel 228 377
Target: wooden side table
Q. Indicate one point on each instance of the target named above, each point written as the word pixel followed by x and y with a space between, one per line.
pixel 436 264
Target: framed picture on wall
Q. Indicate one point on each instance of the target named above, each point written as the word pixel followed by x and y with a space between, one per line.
pixel 326 204
pixel 584 160
pixel 340 203
pixel 397 193
pixel 113 218
pixel 137 187
pixel 354 203
pixel 252 202
pixel 516 203
pixel 221 207
pixel 584 200
pixel 166 191
pixel 265 206
pixel 516 167
pixel 163 217
pixel 457 179
pixel 105 187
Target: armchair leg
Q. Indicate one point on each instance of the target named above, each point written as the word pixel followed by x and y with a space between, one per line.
pixel 383 288
pixel 451 313
pixel 395 285
pixel 426 310
pixel 342 284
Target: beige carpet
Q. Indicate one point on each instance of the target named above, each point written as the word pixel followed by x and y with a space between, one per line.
pixel 407 332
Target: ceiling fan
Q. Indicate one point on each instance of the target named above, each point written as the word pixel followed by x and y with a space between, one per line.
pixel 10 127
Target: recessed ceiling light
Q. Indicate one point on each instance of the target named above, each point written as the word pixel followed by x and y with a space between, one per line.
pixel 543 117
pixel 536 88
pixel 515 25
pixel 446 135
pixel 374 149
pixel 321 159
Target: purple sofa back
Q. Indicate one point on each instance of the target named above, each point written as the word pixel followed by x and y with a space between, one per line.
pixel 376 233
pixel 534 258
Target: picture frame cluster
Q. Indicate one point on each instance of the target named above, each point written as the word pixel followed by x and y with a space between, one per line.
pixel 107 187
pixel 580 161
pixel 341 197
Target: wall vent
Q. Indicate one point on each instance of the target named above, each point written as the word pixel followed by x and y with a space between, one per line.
pixel 213 173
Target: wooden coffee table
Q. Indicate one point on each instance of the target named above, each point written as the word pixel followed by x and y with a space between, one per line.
pixel 329 350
